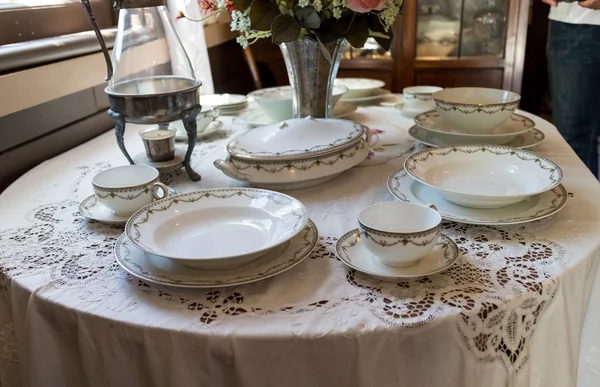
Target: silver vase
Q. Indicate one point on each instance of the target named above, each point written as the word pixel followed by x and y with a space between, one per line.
pixel 312 72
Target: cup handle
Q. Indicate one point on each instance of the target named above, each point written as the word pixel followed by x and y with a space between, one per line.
pixel 368 136
pixel 432 206
pixel 163 187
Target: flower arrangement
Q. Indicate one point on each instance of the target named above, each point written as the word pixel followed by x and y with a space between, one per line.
pixel 323 20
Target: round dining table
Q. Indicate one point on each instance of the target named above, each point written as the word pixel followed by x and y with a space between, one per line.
pixel 520 307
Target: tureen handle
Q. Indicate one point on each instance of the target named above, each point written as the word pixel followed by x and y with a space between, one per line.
pixel 230 171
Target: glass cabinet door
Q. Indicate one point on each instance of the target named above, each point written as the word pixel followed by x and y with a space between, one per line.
pixel 461 28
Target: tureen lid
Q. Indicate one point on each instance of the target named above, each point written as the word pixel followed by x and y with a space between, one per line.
pixel 296 138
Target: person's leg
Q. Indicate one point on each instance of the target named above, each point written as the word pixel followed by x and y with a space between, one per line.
pixel 574 71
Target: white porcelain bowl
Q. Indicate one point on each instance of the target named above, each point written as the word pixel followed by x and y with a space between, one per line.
pixel 204 118
pixel 360 87
pixel 277 102
pixel 476 109
pixel 399 234
pixel 483 176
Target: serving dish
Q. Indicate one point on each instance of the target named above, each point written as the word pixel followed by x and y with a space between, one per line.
pixel 296 153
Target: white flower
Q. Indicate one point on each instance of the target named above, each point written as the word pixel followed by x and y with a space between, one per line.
pixel 240 21
pixel 317 5
pixel 389 14
pixel 243 41
pixel 337 13
pixel 304 3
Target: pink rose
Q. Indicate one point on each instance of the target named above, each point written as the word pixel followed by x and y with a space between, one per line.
pixel 364 6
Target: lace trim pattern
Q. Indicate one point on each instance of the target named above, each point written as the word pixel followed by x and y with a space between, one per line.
pixel 496 292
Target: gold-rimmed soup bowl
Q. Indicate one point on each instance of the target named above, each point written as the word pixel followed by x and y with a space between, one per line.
pixel 476 110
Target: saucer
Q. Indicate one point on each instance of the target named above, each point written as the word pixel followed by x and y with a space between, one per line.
pixel 537 207
pixel 515 125
pixel 257 117
pixel 162 271
pixel 525 140
pixel 162 166
pixel 408 112
pixel 377 94
pixel 91 208
pixel 215 128
pixel 352 251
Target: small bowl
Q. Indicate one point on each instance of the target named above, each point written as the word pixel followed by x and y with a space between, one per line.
pixel 277 102
pixel 399 234
pixel 483 176
pixel 476 109
pixel 420 97
pixel 204 118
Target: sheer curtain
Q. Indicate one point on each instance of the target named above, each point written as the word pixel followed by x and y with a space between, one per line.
pixel 192 37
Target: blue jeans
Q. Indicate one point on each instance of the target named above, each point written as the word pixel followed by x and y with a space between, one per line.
pixel 574 70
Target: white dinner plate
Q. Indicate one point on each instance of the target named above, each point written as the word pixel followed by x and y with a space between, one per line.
pixel 352 251
pixel 433 122
pixel 256 116
pixel 223 101
pixel 525 140
pixel 408 112
pixel 163 271
pixel 483 176
pixel 216 228
pixel 404 188
pixel 377 94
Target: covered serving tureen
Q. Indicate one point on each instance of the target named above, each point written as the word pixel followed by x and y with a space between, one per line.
pixel 297 153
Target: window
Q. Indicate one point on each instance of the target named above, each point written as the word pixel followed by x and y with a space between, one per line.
pixel 26 20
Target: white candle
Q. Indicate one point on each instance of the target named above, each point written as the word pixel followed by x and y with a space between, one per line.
pixel 158 134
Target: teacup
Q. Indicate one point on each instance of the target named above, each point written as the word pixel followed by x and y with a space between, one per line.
pixel 128 188
pixel 399 234
pixel 420 97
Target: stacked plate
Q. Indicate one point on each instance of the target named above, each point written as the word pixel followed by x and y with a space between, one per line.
pixel 362 90
pixel 216 237
pixel 475 116
pixel 297 153
pixel 227 103
pixel 481 184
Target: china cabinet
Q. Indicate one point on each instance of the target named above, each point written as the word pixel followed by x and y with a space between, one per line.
pixel 462 43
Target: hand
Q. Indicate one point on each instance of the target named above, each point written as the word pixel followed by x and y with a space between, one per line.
pixel 590 4
pixel 554 3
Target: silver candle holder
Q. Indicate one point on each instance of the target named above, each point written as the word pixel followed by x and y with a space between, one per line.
pixel 159 143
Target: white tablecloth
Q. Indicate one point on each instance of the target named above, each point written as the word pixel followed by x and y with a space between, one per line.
pixel 510 312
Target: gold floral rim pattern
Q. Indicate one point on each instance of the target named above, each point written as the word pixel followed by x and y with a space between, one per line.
pixel 143 215
pixel 473 108
pixel 385 234
pixel 526 122
pixel 302 165
pixel 552 169
pixel 303 244
pixel 125 189
pixel 420 96
pixel 323 149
